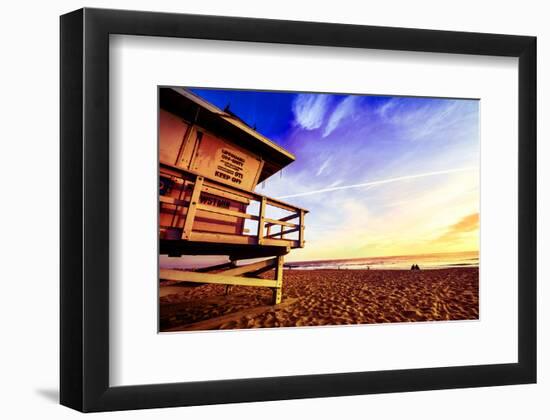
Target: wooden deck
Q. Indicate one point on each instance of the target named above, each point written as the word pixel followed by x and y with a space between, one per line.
pixel 273 236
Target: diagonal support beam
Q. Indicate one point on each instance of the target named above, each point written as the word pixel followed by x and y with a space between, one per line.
pixel 194 277
pixel 243 269
pixel 215 267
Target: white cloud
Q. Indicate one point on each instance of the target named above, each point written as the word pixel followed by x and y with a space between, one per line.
pixel 323 166
pixel 379 182
pixel 309 110
pixel 432 117
pixel 344 109
pixel 387 107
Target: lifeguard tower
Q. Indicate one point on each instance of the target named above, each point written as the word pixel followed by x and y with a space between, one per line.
pixel 210 164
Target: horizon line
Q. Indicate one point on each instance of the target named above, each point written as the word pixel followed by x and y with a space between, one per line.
pixel 385 256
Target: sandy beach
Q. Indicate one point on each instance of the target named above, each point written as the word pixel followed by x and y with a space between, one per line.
pixel 325 297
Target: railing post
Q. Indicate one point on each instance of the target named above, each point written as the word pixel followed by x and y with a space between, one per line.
pixel 302 227
pixel 190 218
pixel 261 221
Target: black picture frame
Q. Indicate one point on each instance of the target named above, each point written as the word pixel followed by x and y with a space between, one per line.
pixel 84 297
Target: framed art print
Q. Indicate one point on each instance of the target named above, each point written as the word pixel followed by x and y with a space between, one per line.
pixel 362 172
pixel 294 209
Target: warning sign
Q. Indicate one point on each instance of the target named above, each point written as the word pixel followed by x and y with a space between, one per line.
pixel 230 167
pixel 220 160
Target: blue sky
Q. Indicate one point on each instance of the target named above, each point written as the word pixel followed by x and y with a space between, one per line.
pixel 380 175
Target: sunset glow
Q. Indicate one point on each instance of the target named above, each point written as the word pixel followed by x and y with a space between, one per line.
pixel 381 176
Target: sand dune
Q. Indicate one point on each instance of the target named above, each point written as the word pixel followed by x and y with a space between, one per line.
pixel 326 297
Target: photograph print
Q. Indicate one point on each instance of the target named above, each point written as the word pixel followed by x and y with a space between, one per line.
pixel 302 209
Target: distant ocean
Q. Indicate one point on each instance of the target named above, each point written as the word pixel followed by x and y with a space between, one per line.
pixel 402 262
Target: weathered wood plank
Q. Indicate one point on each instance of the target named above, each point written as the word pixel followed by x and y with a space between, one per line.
pixel 219 192
pixel 286 218
pixel 271 222
pixel 243 269
pixel 194 277
pixel 226 212
pixel 284 232
pixel 215 267
pixel 222 238
pixel 171 200
pixel 281 242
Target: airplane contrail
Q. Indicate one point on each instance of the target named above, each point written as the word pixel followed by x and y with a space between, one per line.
pixel 379 182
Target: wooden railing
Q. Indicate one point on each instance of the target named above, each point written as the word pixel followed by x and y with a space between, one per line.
pixel 270 231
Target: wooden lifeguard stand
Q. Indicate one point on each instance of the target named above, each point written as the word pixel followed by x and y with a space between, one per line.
pixel 210 164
